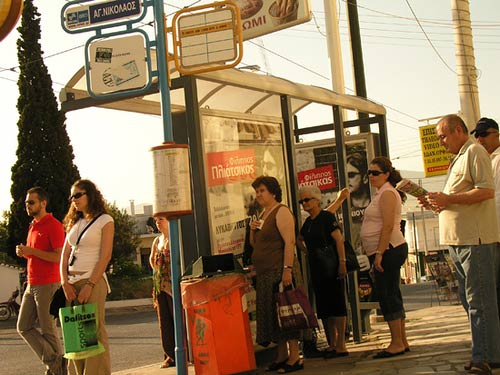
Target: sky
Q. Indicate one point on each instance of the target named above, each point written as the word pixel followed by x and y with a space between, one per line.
pixel 410 69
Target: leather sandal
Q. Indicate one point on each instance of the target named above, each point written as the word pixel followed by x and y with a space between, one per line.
pixel 298 365
pixel 168 362
pixel 479 369
pixel 386 354
pixel 275 366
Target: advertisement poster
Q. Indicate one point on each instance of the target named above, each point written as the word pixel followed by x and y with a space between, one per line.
pixel 260 17
pixel 317 165
pixel 436 159
pixel 236 152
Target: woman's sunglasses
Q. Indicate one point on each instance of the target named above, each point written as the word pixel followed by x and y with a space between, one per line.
pixel 305 200
pixel 373 172
pixel 76 196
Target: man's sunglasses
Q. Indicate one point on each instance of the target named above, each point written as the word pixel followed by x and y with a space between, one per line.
pixel 76 196
pixel 373 172
pixel 482 134
pixel 305 200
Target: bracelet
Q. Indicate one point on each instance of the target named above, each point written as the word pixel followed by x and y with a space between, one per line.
pixel 90 283
pixel 378 252
pixel 342 259
pixel 287 267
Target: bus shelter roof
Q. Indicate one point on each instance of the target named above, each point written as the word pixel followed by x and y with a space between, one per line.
pixel 231 90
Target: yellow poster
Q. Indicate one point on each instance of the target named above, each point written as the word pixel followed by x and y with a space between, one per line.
pixel 436 159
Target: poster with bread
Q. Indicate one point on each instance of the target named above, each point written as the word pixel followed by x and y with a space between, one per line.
pixel 260 17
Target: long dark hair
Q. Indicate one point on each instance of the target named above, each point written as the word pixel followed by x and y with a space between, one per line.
pixel 385 166
pixel 96 203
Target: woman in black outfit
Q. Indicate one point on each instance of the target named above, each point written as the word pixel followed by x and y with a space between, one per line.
pixel 321 230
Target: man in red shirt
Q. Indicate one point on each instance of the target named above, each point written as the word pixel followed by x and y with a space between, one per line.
pixel 43 252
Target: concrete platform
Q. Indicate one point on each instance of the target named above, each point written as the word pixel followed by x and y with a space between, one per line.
pixel 439 338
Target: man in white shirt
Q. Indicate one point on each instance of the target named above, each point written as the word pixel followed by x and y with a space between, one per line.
pixel 486 133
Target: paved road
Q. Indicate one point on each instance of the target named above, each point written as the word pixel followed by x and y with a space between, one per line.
pixel 134 340
pixel 134 336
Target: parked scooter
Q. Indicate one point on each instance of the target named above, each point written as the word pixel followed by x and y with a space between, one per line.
pixel 10 307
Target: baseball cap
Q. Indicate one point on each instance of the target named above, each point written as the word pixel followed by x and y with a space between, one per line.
pixel 485 123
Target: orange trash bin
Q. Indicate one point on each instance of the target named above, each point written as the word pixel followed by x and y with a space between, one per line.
pixel 219 325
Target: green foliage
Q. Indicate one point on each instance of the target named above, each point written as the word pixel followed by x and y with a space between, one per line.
pixel 44 153
pixel 128 288
pixel 126 239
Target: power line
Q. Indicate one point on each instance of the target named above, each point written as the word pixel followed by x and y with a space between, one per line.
pixel 428 39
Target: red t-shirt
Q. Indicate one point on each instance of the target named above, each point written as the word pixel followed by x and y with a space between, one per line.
pixel 46 235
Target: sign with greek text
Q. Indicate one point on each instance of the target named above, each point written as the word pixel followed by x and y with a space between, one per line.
pixel 87 16
pixel 434 156
pixel 260 17
pixel 323 178
pixel 230 166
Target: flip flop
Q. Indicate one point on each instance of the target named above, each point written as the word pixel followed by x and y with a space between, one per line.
pixel 479 369
pixel 298 365
pixel 342 354
pixel 276 365
pixel 386 354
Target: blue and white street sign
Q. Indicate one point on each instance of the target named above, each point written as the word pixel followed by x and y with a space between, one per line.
pixel 76 15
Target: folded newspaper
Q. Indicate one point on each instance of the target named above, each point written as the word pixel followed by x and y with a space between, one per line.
pixel 409 187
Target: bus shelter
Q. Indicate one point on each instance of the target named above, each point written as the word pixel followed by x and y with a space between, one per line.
pixel 239 125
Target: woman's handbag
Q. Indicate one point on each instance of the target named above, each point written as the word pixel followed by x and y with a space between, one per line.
pixel 294 310
pixel 58 301
pixel 79 328
pixel 351 259
pixel 326 261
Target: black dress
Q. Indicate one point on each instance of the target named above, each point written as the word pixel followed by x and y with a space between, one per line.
pixel 328 289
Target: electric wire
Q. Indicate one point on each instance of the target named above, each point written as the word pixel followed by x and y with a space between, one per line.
pixel 429 40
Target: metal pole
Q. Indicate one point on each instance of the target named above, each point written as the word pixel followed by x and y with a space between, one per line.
pixel 162 66
pixel 417 264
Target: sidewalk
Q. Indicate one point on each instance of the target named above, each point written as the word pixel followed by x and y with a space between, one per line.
pixel 439 339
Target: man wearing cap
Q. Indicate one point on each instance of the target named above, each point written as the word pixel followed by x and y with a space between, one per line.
pixel 468 225
pixel 486 133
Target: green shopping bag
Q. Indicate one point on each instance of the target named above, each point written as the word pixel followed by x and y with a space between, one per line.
pixel 79 328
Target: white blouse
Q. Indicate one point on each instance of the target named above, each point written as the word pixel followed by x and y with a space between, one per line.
pixel 88 251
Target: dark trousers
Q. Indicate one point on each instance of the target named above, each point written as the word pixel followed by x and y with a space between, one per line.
pixel 165 310
pixel 387 283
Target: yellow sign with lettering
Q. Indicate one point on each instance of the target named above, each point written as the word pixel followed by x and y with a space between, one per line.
pixel 436 159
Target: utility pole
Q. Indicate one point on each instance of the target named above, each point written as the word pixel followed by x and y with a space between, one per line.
pixel 357 56
pixel 466 64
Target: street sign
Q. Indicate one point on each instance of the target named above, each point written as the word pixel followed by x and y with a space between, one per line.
pixel 98 15
pixel 119 64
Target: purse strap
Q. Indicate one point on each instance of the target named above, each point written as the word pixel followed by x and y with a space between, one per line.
pixel 87 227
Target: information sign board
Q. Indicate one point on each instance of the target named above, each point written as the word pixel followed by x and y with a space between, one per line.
pixel 78 16
pixel 436 159
pixel 207 40
pixel 117 64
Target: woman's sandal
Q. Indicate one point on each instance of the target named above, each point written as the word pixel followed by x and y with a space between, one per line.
pixel 298 365
pixel 479 369
pixel 169 362
pixel 276 365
